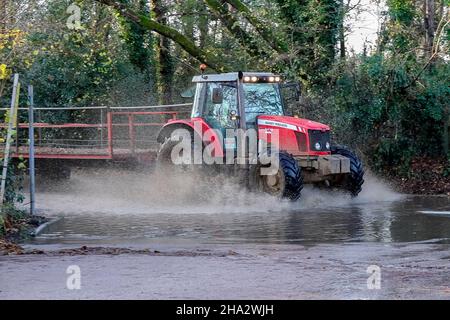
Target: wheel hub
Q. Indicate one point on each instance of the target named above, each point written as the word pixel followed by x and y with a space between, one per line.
pixel 273 182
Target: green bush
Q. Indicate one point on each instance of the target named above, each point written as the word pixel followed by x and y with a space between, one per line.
pixel 19 219
pixel 375 104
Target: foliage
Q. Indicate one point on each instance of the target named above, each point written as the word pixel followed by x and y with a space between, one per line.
pixel 16 224
pixel 15 171
pixel 392 104
pixel 390 101
pixel 11 216
pixel 313 28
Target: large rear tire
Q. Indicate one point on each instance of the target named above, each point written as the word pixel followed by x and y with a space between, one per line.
pixel 169 162
pixel 353 181
pixel 173 162
pixel 286 183
pixel 164 158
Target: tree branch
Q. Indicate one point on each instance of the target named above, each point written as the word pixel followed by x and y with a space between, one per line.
pixel 261 27
pixel 435 52
pixel 184 42
pixel 246 40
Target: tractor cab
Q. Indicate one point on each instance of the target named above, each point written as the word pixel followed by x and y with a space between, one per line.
pixel 253 100
pixel 235 100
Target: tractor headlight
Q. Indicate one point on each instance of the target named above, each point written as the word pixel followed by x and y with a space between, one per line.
pixel 317 146
pixel 247 79
pixel 254 79
pixel 327 145
pixel 271 79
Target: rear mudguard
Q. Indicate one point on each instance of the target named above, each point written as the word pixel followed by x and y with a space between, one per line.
pixel 197 126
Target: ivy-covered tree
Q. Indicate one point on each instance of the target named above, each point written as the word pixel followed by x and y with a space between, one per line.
pixel 165 66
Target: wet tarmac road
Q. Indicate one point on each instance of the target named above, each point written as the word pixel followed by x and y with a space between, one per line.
pixel 409 271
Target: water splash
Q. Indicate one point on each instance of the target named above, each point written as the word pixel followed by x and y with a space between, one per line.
pixel 116 191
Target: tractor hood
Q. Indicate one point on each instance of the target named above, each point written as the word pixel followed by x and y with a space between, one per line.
pixel 296 124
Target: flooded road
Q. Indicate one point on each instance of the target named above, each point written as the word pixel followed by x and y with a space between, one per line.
pixel 217 241
pixel 107 207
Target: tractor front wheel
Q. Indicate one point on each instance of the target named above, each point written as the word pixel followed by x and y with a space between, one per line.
pixel 353 181
pixel 286 182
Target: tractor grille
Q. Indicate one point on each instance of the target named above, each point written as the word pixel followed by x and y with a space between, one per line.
pixel 319 136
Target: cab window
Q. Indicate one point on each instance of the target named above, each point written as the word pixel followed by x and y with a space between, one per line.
pixel 262 98
pixel 217 115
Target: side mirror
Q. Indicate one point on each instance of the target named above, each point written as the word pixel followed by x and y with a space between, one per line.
pixel 217 96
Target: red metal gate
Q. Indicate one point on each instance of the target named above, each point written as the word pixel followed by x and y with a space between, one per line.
pixel 114 136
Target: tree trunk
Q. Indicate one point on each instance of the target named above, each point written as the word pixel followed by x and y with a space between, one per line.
pixel 137 40
pixel 203 23
pixel 2 15
pixel 431 22
pixel 341 30
pixel 429 25
pixel 165 64
pixel 446 132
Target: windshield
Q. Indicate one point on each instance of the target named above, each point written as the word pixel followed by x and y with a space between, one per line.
pixel 262 98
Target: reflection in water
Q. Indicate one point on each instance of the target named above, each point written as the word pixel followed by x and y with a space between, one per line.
pixel 410 224
pixel 105 207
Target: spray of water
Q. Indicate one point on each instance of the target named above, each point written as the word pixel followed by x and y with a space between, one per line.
pixel 124 192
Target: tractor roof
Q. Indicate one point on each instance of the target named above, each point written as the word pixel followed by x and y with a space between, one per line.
pixel 231 76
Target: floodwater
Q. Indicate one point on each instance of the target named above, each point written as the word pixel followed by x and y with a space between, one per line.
pixel 215 240
pixel 106 206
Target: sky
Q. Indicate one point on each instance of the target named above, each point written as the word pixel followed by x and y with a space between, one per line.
pixel 363 25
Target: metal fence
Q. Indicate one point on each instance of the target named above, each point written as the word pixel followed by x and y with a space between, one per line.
pixel 96 132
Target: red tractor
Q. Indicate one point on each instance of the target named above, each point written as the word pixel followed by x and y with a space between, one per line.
pixel 244 101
